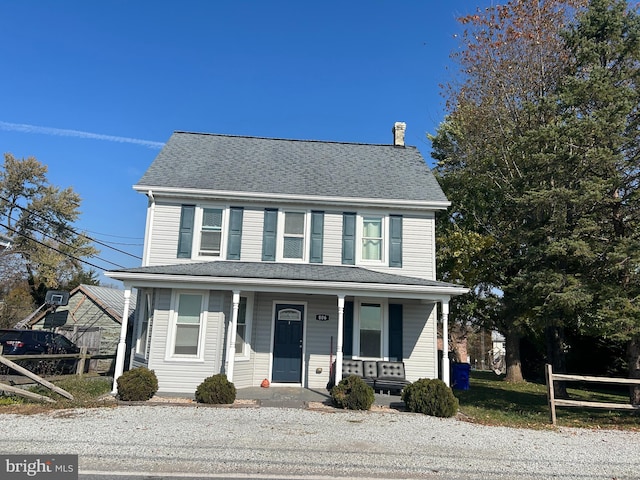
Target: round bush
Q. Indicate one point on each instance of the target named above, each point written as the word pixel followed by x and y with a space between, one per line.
pixel 431 397
pixel 352 393
pixel 216 389
pixel 137 385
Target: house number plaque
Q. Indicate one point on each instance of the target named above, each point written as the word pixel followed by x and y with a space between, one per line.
pixel 322 317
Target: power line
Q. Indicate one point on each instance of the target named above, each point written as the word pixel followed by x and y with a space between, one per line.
pixel 61 252
pixel 30 212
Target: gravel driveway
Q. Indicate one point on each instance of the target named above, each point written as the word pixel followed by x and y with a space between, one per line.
pixel 298 443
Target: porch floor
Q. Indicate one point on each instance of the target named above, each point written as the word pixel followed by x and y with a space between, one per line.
pixel 298 397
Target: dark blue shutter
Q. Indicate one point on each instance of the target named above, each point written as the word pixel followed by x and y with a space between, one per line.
pixel 395 241
pixel 395 331
pixel 269 235
pixel 349 238
pixel 347 329
pixel 185 238
pixel 235 233
pixel 317 234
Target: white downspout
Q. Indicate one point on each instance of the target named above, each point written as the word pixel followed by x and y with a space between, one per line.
pixel 146 249
pixel 445 343
pixel 233 333
pixel 122 345
pixel 337 374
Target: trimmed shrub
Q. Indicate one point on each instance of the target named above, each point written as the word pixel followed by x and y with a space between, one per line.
pixel 431 397
pixel 216 389
pixel 352 393
pixel 137 385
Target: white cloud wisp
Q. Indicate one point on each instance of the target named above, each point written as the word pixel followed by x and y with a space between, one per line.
pixel 60 132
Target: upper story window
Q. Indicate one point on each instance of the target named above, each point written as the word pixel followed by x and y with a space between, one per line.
pixel 211 232
pixel 293 236
pixel 290 236
pixel 372 238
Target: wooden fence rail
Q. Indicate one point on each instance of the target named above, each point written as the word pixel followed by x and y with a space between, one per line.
pixel 561 402
pixel 8 360
pixel 82 357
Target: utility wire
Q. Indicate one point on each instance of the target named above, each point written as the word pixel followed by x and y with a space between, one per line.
pixel 59 251
pixel 30 212
pixel 45 234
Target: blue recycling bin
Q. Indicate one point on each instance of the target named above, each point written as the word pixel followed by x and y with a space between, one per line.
pixel 460 376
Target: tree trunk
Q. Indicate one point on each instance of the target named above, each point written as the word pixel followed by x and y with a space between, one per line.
pixel 512 357
pixel 458 336
pixel 633 357
pixel 556 356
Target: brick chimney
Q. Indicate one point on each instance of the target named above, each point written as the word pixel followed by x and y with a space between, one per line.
pixel 398 133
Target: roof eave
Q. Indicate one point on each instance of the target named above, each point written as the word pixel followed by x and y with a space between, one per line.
pixel 429 292
pixel 174 192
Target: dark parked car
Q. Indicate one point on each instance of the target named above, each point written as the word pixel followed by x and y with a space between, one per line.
pixel 39 342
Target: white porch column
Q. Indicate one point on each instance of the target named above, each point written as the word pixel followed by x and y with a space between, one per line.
pixel 233 333
pixel 337 374
pixel 122 345
pixel 445 343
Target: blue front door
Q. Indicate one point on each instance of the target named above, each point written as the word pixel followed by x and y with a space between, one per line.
pixel 287 344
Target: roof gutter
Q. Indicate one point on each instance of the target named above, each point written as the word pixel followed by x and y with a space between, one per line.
pixel 174 192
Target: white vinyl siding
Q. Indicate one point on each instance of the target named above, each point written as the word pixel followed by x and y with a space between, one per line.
pixel 419 341
pixel 183 376
pixel 252 235
pixel 332 244
pixel 165 231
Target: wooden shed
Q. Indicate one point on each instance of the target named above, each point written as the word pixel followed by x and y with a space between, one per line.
pixel 92 318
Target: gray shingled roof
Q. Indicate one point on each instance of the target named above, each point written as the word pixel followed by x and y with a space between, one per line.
pixel 111 299
pixel 285 271
pixel 292 167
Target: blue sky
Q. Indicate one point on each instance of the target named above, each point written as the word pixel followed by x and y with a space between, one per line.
pixel 93 89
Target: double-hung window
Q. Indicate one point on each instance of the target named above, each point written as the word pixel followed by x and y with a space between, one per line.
pixel 188 322
pixel 372 237
pixel 211 232
pixel 371 330
pixel 143 325
pixel 244 327
pixel 293 235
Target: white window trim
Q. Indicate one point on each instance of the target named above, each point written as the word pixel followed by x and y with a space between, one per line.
pixel 173 317
pixel 384 337
pixel 148 307
pixel 385 239
pixel 246 355
pixel 280 239
pixel 197 232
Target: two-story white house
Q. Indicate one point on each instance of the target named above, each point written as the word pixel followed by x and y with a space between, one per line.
pixel 275 259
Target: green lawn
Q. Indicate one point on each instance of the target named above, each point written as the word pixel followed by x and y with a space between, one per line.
pixel 492 401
